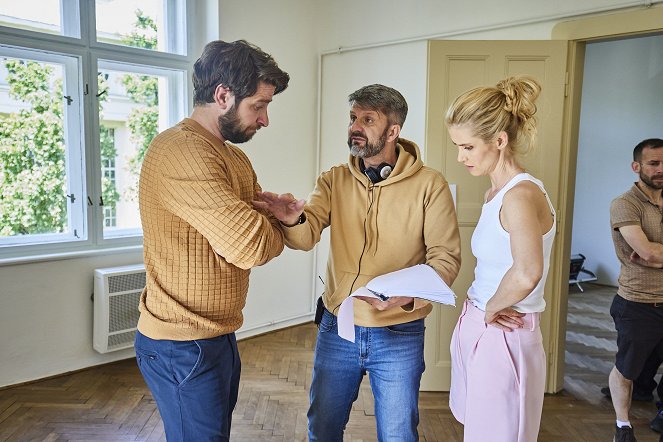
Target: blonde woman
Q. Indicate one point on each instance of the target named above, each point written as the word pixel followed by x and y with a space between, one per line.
pixel 498 362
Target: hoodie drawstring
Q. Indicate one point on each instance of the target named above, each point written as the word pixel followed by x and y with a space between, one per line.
pixel 376 196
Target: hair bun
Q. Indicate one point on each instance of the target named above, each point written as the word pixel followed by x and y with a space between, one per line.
pixel 520 93
pixel 508 106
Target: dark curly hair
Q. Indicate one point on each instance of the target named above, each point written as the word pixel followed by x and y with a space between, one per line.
pixel 239 66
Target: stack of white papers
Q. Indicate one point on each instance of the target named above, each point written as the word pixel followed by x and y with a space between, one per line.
pixel 419 281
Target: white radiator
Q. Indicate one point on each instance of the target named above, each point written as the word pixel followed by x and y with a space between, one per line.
pixel 116 295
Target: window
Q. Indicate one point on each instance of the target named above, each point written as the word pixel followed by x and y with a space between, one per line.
pixel 40 177
pixel 78 108
pixel 133 100
pixel 109 194
pixel 148 24
pixel 51 17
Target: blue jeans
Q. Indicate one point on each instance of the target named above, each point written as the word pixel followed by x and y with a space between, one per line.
pixel 394 358
pixel 195 384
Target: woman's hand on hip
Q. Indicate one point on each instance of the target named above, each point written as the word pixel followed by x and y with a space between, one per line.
pixel 506 319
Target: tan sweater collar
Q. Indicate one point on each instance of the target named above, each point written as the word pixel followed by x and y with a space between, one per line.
pixel 194 126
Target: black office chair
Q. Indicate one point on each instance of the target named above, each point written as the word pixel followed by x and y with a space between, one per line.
pixel 575 277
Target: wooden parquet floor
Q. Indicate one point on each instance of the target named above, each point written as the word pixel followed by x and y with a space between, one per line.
pixel 111 402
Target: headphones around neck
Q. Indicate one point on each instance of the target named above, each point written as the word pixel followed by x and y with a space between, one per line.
pixel 379 173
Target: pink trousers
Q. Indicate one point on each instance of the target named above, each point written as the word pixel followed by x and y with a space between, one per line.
pixel 497 378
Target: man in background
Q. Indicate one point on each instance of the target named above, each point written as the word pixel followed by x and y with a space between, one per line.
pixel 637 309
pixel 201 238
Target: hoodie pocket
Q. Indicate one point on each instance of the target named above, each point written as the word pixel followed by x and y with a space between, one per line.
pixel 347 284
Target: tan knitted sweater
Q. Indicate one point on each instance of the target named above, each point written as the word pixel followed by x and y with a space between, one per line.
pixel 200 234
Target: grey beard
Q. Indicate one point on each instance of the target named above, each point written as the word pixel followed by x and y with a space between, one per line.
pixel 370 150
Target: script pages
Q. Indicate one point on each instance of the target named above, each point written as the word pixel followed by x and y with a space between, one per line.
pixel 419 281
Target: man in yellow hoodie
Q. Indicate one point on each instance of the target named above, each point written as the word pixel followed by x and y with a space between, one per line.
pixel 386 211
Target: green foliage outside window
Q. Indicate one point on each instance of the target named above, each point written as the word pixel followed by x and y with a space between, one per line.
pixel 109 191
pixel 33 196
pixel 32 153
pixel 143 121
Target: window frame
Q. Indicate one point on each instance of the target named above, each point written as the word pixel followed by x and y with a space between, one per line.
pixel 72 115
pixel 88 52
pixel 175 105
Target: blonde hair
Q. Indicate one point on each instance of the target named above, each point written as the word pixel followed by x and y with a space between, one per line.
pixel 508 107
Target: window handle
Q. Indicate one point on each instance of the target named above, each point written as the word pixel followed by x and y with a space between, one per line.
pixel 71 197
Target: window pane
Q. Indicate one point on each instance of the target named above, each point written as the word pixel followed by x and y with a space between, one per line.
pixel 156 25
pixel 33 15
pixel 129 114
pixel 33 179
pixel 53 199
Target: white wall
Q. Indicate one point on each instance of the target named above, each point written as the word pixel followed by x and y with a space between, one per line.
pixel 46 317
pixel 349 23
pixel 45 311
pixel 621 105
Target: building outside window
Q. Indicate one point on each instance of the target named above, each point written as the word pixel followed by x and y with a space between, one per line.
pixel 109 193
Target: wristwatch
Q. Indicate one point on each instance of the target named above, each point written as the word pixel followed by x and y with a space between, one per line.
pixel 300 220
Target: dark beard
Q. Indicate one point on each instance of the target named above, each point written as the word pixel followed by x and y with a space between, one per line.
pixel 371 149
pixel 650 182
pixel 231 127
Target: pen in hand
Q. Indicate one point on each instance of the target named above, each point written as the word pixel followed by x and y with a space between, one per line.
pixel 379 295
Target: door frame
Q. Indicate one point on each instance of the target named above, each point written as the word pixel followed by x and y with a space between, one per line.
pixel 578 33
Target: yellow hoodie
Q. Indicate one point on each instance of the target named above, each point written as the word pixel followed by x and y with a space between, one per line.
pixel 407 219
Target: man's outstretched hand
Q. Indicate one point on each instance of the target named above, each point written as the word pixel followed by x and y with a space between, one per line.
pixel 285 207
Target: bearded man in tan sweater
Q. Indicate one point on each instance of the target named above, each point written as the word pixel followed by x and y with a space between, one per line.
pixel 201 238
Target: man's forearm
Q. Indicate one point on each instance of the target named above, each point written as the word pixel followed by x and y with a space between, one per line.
pixel 653 253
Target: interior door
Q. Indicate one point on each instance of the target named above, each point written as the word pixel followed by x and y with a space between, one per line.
pixel 453 67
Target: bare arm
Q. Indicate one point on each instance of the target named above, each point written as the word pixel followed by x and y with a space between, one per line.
pixel 647 253
pixel 526 216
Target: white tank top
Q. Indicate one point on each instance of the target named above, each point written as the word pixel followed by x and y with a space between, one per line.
pixel 491 245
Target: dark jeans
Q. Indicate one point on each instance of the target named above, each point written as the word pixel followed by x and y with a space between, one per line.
pixel 195 384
